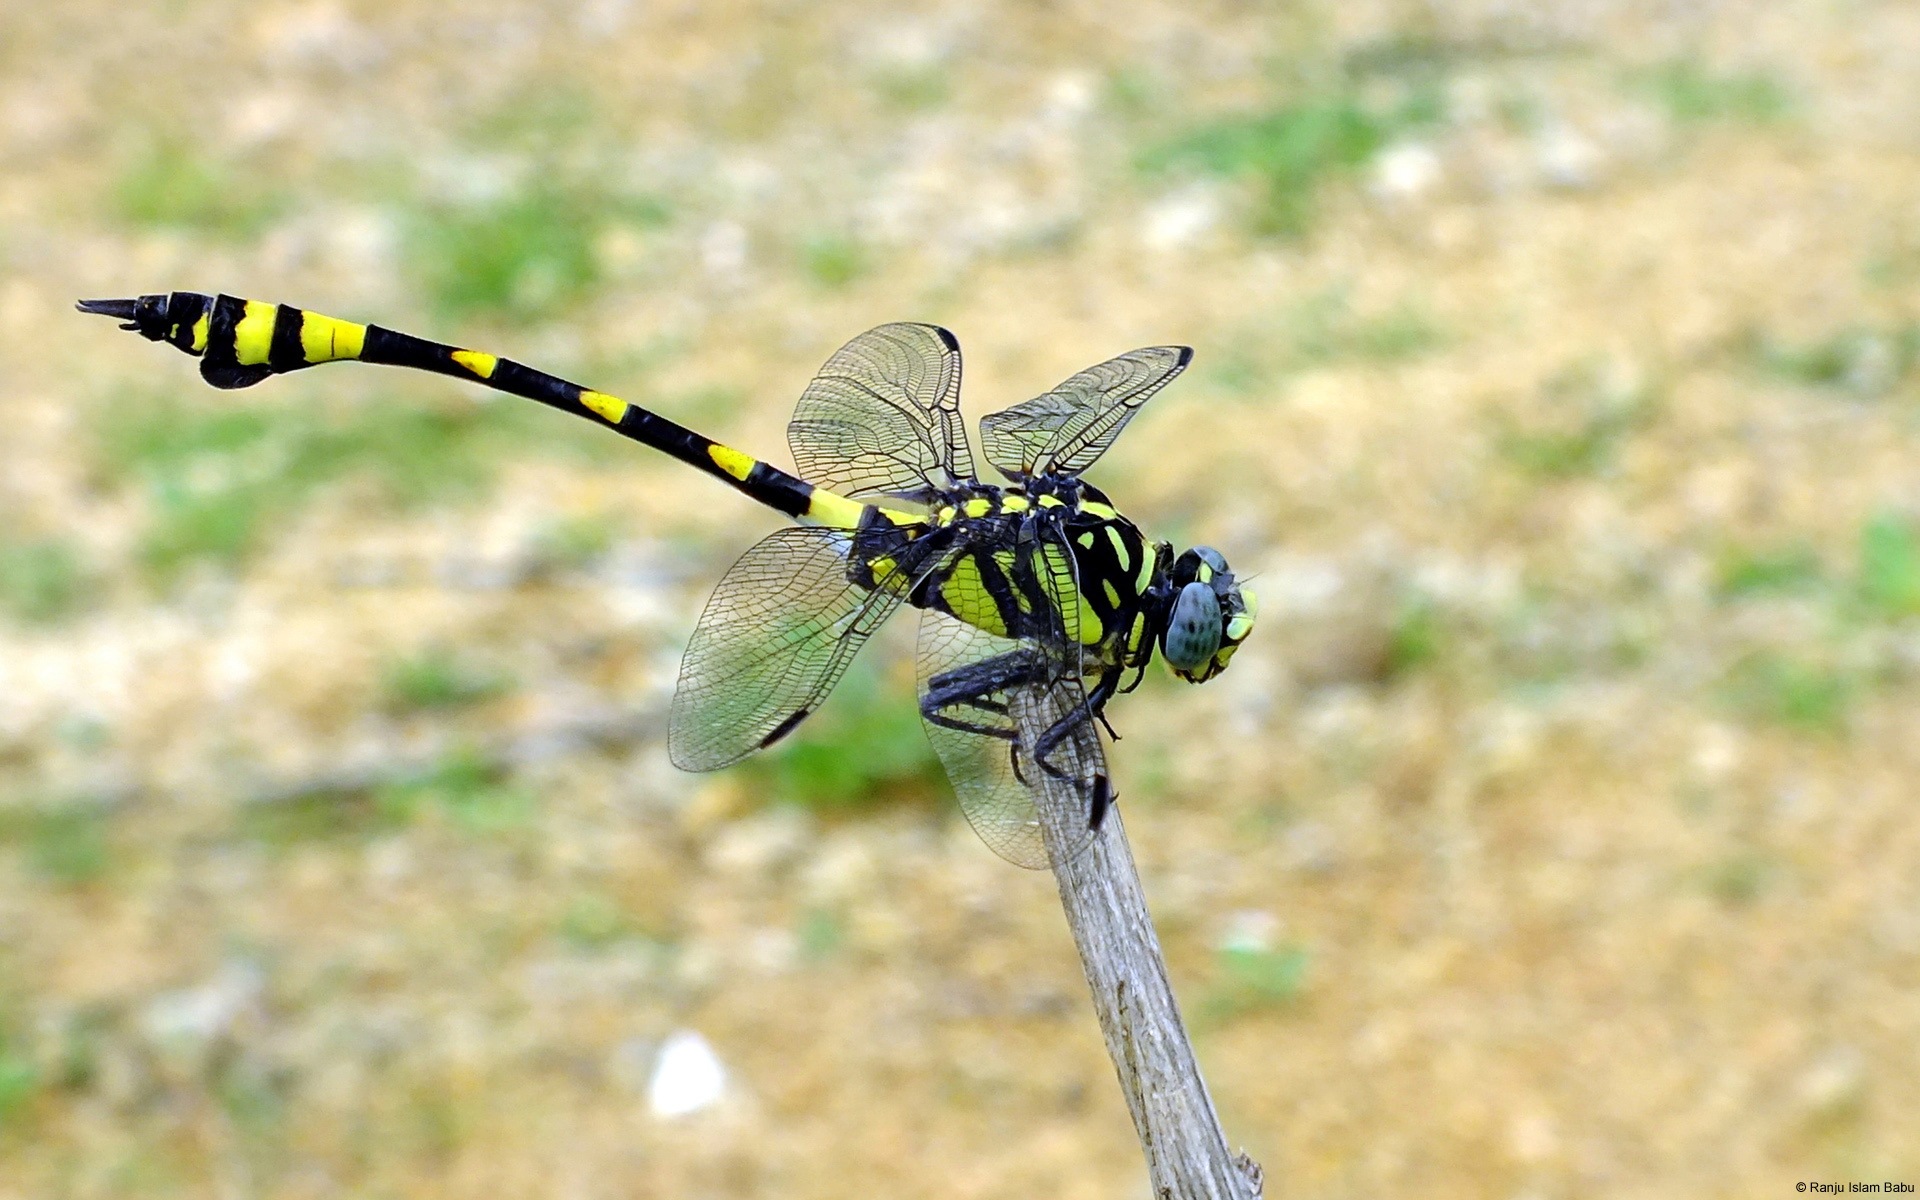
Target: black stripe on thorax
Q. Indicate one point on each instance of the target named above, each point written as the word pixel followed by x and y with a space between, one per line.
pixel 1098 565
pixel 999 588
pixel 1027 567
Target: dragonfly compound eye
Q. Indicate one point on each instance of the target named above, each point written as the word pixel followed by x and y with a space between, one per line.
pixel 1202 563
pixel 1193 628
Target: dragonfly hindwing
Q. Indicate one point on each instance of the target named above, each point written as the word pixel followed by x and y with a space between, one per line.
pixel 779 631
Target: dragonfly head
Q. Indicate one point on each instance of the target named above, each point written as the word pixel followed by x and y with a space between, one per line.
pixel 1208 615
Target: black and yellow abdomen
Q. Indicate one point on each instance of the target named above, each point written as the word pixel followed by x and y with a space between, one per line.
pixel 241 342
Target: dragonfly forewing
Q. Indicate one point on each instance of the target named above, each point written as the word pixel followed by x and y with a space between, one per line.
pixel 883 415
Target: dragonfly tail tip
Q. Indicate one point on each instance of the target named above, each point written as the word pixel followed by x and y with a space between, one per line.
pixel 122 310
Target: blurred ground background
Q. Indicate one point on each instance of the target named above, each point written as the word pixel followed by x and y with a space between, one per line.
pixel 1558 376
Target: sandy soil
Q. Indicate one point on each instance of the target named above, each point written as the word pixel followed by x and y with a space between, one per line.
pixel 1556 835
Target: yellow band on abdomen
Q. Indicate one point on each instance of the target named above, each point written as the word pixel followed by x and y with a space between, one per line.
pixel 327 339
pixel 731 461
pixel 608 408
pixel 480 363
pixel 253 333
pixel 835 511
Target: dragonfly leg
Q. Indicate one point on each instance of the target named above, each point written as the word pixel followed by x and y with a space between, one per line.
pixel 1097 702
pixel 1102 797
pixel 1094 707
pixel 973 687
pixel 1094 704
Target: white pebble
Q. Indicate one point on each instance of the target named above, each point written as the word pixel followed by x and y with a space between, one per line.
pixel 1405 171
pixel 1566 158
pixel 687 1076
pixel 1179 219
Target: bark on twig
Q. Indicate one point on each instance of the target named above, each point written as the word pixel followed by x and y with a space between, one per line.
pixel 1186 1150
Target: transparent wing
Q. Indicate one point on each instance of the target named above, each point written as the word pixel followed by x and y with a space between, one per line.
pixel 777 634
pixel 992 768
pixel 883 416
pixel 1055 720
pixel 1079 788
pixel 1066 429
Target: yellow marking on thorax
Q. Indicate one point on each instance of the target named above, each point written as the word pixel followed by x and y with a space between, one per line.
pixel 1138 631
pixel 1051 502
pixel 1014 504
pixel 1144 579
pixel 482 364
pixel 253 333
pixel 945 515
pixel 1083 624
pixel 1086 539
pixel 980 506
pixel 1120 551
pixel 966 594
pixel 1105 512
pixel 324 339
pixel 1113 593
pixel 611 408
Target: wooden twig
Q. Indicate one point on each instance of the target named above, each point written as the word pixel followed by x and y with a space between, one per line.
pixel 1180 1134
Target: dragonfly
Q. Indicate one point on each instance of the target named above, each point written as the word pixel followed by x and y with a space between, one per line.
pixel 1039 601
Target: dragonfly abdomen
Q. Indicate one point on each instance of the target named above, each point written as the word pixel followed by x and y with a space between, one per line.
pixel 241 342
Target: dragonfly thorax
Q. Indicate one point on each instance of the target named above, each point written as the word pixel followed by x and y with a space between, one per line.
pixel 1054 564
